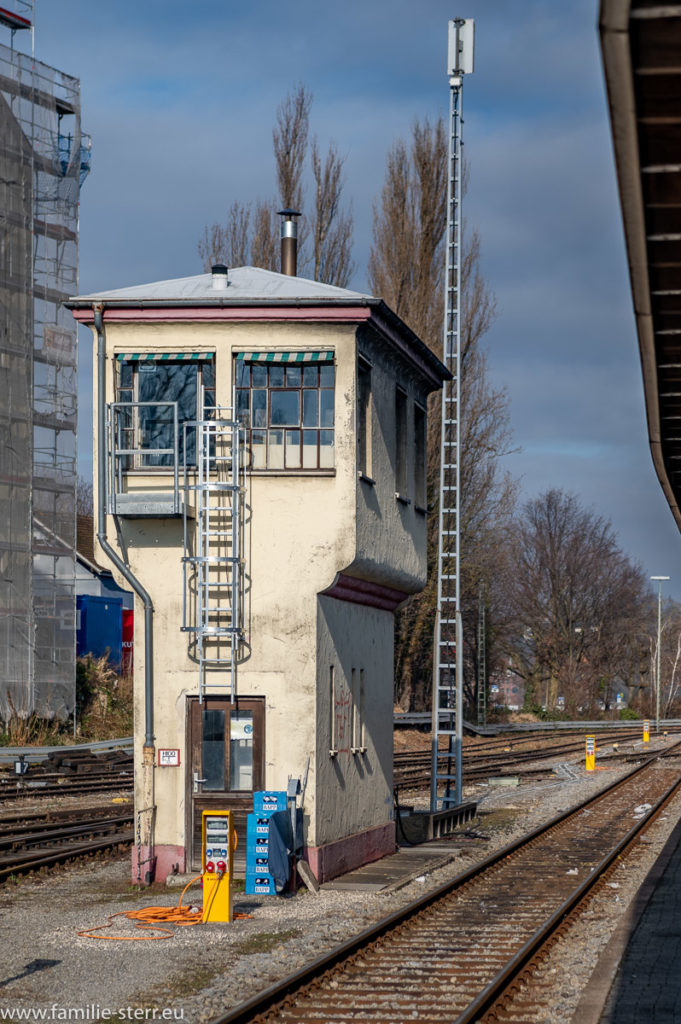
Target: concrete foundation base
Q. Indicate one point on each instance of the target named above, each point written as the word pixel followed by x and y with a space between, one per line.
pixel 155 865
pixel 337 858
pixel 420 826
pixel 327 861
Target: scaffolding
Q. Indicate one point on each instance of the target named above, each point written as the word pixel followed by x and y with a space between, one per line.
pixel 44 158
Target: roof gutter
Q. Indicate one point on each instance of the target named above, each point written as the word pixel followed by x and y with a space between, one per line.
pixel 619 80
pixel 386 321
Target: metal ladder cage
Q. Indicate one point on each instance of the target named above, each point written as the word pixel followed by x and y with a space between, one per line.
pixel 213 540
pixel 447 676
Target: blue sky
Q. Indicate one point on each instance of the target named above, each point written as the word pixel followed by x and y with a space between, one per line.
pixel 180 100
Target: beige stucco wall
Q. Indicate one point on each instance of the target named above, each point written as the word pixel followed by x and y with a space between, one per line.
pixel 391 535
pixel 304 529
pixel 353 788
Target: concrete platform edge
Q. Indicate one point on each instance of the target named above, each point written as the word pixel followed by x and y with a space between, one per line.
pixel 424 870
pixel 594 997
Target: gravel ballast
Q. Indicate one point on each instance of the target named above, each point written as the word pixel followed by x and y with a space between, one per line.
pixel 201 971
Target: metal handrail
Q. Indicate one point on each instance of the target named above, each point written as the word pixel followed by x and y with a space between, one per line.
pixel 137 452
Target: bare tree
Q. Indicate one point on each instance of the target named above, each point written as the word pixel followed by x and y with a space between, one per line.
pixel 289 137
pixel 251 235
pixel 84 497
pixel 575 601
pixel 228 243
pixel 406 268
pixel 406 262
pixel 264 244
pixel 670 659
pixel 332 227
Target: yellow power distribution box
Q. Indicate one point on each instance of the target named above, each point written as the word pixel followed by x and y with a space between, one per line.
pixel 590 753
pixel 217 854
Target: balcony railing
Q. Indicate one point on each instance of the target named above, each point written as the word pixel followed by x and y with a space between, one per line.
pixel 144 454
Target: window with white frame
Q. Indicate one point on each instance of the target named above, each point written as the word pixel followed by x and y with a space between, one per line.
pixel 400 442
pixel 364 418
pixel 150 389
pixel 285 402
pixel 358 741
pixel 420 457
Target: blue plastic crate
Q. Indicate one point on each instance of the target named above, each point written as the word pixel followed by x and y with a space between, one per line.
pixel 257 825
pixel 259 885
pixel 257 845
pixel 256 861
pixel 267 801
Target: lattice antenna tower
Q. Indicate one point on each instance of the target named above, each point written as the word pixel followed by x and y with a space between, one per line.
pixel 448 667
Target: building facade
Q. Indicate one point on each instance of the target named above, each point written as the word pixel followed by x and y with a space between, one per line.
pixel 264 469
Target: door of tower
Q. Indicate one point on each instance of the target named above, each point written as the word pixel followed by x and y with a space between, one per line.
pixel 226 753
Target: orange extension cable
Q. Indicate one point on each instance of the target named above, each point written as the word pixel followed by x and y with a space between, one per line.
pixel 152 918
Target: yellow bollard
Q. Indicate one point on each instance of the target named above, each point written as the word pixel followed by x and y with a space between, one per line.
pixel 590 753
pixel 646 732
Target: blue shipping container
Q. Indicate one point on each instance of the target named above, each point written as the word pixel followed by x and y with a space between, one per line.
pixel 99 627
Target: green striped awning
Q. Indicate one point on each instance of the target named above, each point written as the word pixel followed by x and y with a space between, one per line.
pixel 285 357
pixel 173 357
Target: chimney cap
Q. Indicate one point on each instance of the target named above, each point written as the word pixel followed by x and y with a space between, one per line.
pixel 219 277
pixel 288 213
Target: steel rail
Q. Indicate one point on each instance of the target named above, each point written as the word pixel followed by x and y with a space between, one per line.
pixel 410 768
pixel 51 832
pixel 55 818
pixel 65 854
pixel 81 785
pixel 493 991
pixel 281 993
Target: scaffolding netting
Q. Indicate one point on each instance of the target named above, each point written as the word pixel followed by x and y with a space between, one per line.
pixel 44 158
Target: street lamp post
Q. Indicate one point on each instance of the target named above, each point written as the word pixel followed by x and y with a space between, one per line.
pixel 659 580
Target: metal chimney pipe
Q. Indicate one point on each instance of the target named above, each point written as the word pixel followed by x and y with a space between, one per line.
pixel 289 242
pixel 219 272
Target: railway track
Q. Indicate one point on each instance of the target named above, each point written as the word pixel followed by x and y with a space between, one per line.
pixel 452 957
pixel 412 768
pixel 28 843
pixel 64 785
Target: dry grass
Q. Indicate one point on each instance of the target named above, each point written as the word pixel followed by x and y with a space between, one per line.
pixel 104 700
pixel 21 730
pixel 103 706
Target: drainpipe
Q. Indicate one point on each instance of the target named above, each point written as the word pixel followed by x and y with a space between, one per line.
pixel 146 829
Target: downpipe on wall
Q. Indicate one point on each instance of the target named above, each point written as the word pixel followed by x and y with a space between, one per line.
pixel 146 816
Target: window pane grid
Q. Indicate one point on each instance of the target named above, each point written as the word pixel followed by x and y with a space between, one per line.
pixel 288 415
pixel 171 380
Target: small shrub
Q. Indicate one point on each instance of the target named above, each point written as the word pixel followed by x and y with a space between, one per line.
pixel 103 699
pixel 627 715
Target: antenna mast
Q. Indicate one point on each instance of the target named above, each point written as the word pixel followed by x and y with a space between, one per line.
pixel 448 665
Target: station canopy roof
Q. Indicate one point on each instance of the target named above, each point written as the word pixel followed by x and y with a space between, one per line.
pixel 641 45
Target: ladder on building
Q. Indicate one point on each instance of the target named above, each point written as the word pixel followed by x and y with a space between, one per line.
pixel 482 655
pixel 213 560
pixel 447 722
